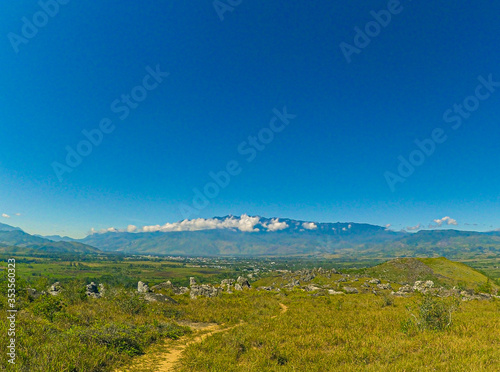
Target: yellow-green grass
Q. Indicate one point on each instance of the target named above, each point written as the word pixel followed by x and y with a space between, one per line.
pixel 352 333
pixel 441 270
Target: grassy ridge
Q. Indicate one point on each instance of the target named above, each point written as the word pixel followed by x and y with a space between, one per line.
pixel 440 270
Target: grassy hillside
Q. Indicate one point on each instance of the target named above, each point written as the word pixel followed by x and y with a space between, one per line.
pixel 440 270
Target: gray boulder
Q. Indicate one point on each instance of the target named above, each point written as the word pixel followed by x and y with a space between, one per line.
pixel 180 290
pixel 243 282
pixel 350 290
pixel 55 289
pixel 158 297
pixel 143 287
pixel 92 290
pixel 421 286
pixel 204 290
pixel 374 281
pixel 384 286
pixel 192 281
pixel 164 285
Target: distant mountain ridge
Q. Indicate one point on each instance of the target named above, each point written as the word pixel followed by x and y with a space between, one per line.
pixel 13 239
pixel 259 236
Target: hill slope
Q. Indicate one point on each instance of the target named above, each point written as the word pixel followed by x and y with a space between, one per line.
pixel 16 240
pixel 439 269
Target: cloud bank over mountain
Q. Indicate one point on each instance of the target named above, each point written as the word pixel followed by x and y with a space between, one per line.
pixel 243 223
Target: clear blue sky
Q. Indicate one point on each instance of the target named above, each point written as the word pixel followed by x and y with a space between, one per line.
pixel 353 120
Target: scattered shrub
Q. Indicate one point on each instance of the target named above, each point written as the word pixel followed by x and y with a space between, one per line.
pixel 432 313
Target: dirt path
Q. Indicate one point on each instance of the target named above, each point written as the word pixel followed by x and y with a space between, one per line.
pixel 174 355
pixel 166 361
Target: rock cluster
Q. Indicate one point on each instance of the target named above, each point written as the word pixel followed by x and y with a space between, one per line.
pixel 204 290
pixel 94 291
pixel 143 287
pixel 55 289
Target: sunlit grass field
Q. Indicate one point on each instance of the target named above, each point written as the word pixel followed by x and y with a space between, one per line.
pixel 318 332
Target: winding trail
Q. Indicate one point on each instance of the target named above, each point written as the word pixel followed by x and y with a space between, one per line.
pixel 166 361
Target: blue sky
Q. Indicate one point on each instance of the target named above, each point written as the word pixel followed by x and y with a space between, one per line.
pixel 227 79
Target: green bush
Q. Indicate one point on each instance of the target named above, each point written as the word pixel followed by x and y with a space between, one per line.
pixel 432 313
pixel 485 287
pixel 47 306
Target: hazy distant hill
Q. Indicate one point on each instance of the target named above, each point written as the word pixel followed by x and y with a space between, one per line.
pixel 236 236
pixel 301 238
pixel 13 239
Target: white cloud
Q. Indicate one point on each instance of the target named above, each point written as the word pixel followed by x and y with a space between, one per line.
pixel 413 228
pixel 244 223
pixel 446 220
pixel 102 231
pixel 387 227
pixel 309 226
pixel 349 226
pixel 275 225
pixel 131 228
pixel 18 214
pixel 4 215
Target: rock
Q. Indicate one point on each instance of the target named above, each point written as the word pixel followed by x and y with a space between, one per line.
pixel 350 290
pixel 55 289
pixel 164 285
pixel 405 289
pixel 332 292
pixel 180 290
pixel 238 287
pixel 92 290
pixel 225 282
pixel 158 297
pixel 192 282
pixel 374 281
pixel 243 282
pixel 204 290
pixel 384 286
pixel 342 280
pixel 307 277
pixel 421 286
pixel 310 288
pixel 143 287
pixel 365 285
pixel 265 288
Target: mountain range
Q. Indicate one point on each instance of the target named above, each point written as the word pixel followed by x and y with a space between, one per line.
pixel 15 240
pixel 259 236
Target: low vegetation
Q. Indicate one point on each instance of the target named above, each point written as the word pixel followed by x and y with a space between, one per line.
pixel 323 328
